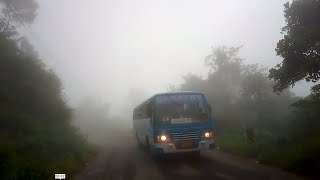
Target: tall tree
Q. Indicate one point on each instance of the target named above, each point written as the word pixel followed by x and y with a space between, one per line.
pixel 14 13
pixel 35 119
pixel 240 95
pixel 300 46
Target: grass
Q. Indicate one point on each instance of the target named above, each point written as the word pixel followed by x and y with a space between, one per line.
pixel 235 143
pixel 296 156
pixel 41 163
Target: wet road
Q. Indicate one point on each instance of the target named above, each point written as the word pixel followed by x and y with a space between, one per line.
pixel 129 162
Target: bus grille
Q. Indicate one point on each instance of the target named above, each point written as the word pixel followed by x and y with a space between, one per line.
pixel 185 136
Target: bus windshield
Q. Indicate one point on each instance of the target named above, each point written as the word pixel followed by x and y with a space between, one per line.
pixel 180 109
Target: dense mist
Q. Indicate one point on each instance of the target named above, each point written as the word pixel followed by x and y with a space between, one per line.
pixel 72 74
pixel 112 55
pixel 106 48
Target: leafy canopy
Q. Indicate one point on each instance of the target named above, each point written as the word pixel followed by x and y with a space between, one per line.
pixel 240 94
pixel 300 46
pixel 14 13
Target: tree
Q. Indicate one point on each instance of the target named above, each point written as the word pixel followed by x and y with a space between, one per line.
pixel 192 82
pixel 27 48
pixel 305 116
pixel 14 13
pixel 300 50
pixel 35 119
pixel 240 95
pixel 224 78
pixel 300 47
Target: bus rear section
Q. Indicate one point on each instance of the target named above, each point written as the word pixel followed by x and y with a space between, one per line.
pixel 179 122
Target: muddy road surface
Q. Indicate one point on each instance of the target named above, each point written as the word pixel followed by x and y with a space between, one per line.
pixel 120 158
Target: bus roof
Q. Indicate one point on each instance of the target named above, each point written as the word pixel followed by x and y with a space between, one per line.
pixel 168 93
pixel 177 92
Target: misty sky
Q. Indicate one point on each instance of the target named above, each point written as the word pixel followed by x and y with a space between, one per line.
pixel 105 48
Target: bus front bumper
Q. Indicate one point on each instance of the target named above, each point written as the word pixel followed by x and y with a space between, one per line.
pixel 167 148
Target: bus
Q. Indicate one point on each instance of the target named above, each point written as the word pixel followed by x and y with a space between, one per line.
pixel 174 122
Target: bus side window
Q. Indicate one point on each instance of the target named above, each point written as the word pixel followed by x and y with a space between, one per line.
pixel 149 112
pixel 148 109
pixel 145 111
pixel 139 114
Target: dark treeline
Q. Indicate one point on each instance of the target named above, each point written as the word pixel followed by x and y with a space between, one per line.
pixel 36 138
pixel 286 127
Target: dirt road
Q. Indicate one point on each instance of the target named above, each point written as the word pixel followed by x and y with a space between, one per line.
pixel 126 161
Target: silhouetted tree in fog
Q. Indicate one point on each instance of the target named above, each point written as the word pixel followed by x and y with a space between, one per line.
pixel 15 13
pixel 300 46
pixel 36 138
pixel 241 95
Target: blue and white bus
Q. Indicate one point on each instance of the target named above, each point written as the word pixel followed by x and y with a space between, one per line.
pixel 174 122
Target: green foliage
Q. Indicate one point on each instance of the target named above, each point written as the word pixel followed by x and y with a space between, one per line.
pixel 14 13
pixel 300 47
pixel 235 142
pixel 305 117
pixel 36 138
pixel 224 57
pixel 21 11
pixel 240 95
pixel 295 156
pixel 286 128
pixel 300 50
pixel 287 154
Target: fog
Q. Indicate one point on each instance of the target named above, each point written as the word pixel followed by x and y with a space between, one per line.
pixel 109 49
pixel 73 73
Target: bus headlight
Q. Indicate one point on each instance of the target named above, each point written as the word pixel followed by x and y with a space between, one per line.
pixel 207 135
pixel 162 138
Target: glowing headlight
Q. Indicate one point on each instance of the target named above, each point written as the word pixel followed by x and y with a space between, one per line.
pixel 162 138
pixel 207 135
